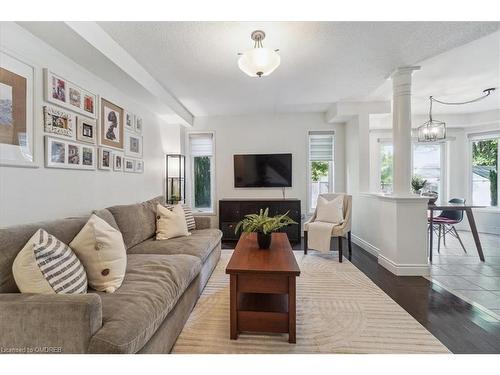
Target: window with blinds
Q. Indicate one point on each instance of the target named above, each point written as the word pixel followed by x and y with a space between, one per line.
pixel 321 146
pixel 201 152
pixel 321 161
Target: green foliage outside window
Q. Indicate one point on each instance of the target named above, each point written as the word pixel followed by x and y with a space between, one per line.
pixel 202 183
pixel 386 168
pixel 485 153
pixel 319 169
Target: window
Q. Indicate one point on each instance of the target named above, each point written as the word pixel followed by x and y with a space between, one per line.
pixel 386 152
pixel 320 165
pixel 485 171
pixel 201 152
pixel 427 161
pixel 427 165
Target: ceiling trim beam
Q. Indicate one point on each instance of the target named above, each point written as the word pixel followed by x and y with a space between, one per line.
pixel 99 39
pixel 343 111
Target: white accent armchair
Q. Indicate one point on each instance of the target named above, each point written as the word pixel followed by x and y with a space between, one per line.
pixel 339 231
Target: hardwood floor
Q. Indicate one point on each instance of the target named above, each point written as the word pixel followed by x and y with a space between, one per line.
pixel 460 326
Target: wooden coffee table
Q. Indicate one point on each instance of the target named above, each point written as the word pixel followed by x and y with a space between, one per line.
pixel 262 286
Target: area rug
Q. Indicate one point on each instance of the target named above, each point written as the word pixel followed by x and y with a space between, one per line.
pixel 339 310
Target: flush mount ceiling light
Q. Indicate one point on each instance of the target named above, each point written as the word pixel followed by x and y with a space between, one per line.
pixel 259 61
pixel 434 130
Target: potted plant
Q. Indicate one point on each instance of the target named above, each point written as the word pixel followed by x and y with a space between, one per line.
pixel 264 225
pixel 417 184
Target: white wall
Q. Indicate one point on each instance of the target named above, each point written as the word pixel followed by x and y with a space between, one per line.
pixel 28 195
pixel 272 133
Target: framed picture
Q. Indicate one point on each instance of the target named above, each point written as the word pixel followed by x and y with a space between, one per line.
pixel 138 125
pixel 117 162
pixel 16 111
pixel 129 121
pixel 138 166
pixel 128 165
pixel 86 129
pixel 58 121
pixel 111 133
pixel 60 153
pixel 67 94
pixel 105 159
pixel 133 145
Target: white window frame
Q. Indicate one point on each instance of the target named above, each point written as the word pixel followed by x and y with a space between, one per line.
pixel 331 170
pixel 443 193
pixel 213 196
pixel 443 188
pixel 474 138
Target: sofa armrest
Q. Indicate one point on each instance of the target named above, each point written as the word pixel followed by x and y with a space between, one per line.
pixel 202 222
pixel 60 323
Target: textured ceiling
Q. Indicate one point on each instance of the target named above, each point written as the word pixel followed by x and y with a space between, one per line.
pixel 322 62
pixel 456 75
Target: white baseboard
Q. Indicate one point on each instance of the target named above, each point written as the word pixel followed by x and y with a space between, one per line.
pixel 397 269
pixel 365 245
pixel 404 269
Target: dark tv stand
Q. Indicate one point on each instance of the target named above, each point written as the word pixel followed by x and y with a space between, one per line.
pixel 231 211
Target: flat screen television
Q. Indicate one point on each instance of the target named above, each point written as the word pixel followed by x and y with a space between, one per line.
pixel 263 170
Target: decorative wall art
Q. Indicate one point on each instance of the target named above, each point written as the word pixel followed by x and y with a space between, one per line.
pixel 138 166
pixel 129 121
pixel 105 159
pixel 60 153
pixel 133 145
pixel 67 94
pixel 58 121
pixel 138 125
pixel 111 125
pixel 117 162
pixel 16 112
pixel 128 165
pixel 86 129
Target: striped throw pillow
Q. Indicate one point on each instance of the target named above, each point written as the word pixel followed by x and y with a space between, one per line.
pixel 188 213
pixel 46 265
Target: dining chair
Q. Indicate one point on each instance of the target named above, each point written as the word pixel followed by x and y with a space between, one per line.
pixel 339 231
pixel 446 221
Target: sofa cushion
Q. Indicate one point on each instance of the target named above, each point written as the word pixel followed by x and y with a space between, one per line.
pixel 137 222
pixel 153 283
pixel 100 248
pixel 13 239
pixel 200 244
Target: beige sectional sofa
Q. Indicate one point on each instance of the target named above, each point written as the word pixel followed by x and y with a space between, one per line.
pixel 145 315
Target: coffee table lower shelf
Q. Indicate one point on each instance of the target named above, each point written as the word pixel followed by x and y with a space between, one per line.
pixel 263 309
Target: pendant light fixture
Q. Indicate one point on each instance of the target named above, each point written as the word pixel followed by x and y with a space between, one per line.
pixel 434 130
pixel 259 61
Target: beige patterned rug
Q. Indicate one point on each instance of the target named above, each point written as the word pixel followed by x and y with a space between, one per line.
pixel 339 310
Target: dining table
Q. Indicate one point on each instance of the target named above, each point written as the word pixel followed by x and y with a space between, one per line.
pixel 455 207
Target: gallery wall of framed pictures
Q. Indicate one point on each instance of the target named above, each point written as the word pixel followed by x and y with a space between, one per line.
pixel 89 132
pixel 80 129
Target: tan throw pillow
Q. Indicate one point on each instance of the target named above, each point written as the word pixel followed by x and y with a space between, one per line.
pixel 45 265
pixel 330 211
pixel 101 249
pixel 170 223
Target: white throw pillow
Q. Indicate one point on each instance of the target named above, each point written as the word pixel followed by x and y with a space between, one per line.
pixel 330 211
pixel 188 212
pixel 45 265
pixel 101 249
pixel 170 223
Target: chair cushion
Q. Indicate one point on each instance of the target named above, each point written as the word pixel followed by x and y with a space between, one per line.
pixel 200 244
pixel 152 286
pixel 137 222
pixel 444 220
